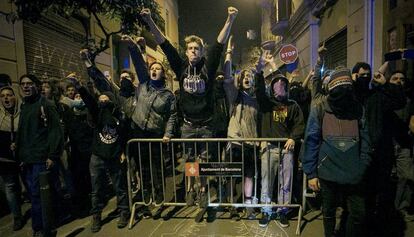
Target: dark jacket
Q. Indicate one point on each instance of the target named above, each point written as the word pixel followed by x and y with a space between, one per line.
pixel 279 120
pixel 109 136
pixel 80 131
pixel 151 109
pixel 196 95
pixel 380 106
pixel 342 159
pixel 40 137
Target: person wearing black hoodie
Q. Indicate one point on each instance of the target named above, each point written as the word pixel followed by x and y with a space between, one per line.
pixel 39 144
pixel 380 99
pixel 196 77
pixel 337 153
pixel 281 118
pixel 107 147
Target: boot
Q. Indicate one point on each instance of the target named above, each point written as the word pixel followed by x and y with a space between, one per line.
pixel 96 223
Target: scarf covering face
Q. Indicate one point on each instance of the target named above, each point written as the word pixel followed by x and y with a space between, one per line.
pixel 280 89
pixel 341 96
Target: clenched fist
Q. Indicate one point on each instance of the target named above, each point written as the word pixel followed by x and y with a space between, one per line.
pixel 232 13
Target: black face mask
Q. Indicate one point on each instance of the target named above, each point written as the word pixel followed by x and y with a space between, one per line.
pixel 362 84
pixel 106 105
pixel 343 102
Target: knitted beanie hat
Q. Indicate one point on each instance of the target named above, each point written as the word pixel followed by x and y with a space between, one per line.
pixel 340 77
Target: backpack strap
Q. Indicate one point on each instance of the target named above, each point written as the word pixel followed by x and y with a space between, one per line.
pixel 42 112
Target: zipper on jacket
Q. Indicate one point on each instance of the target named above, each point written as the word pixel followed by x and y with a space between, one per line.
pixel 340 127
pixel 323 159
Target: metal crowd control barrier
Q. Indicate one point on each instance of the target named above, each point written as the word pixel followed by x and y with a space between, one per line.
pixel 214 164
pixel 305 193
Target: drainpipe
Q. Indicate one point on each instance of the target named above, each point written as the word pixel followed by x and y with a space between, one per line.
pixel 369 31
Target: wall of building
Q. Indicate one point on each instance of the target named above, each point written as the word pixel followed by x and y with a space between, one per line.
pixel 11 45
pixel 307 32
pixel 13 57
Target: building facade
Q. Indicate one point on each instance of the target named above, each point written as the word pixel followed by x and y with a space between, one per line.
pixel 50 47
pixel 352 30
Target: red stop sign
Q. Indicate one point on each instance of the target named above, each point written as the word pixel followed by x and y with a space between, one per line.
pixel 288 54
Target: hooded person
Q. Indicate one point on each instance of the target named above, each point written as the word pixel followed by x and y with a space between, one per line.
pixel 341 95
pixel 281 118
pixel 9 120
pixel 337 153
pixel 109 139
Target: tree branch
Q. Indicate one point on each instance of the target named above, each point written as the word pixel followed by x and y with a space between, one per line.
pixel 100 23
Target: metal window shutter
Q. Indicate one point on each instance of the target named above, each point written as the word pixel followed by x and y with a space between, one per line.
pixel 52 47
pixel 337 50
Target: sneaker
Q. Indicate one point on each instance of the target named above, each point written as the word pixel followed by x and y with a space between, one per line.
pixel 283 220
pixel 211 214
pixel 123 220
pixel 250 210
pixel 234 214
pixel 96 223
pixel 265 220
pixel 146 213
pixel 190 197
pixel 203 200
pixel 159 198
pixel 250 213
pixel 17 223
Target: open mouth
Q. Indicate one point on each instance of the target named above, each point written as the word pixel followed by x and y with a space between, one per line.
pixel 154 74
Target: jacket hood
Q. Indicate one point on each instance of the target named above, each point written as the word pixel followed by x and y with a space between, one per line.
pixel 277 78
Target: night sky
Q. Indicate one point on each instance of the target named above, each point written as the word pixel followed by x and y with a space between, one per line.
pixel 205 18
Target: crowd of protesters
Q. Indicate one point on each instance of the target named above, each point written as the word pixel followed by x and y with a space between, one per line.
pixel 347 128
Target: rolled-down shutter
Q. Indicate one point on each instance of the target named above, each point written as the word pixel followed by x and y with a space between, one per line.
pixel 337 49
pixel 52 47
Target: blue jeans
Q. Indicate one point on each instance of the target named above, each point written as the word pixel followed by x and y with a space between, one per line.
pixel 117 171
pixel 275 162
pixel 13 192
pixel 31 174
pixel 201 151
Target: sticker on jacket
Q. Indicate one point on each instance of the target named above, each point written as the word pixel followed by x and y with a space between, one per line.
pixel 108 135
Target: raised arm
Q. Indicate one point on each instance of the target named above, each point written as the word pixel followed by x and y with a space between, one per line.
pixel 229 84
pixel 316 78
pixel 137 56
pixel 101 82
pixel 172 54
pixel 89 100
pixel 225 31
pixel 305 82
pixel 146 16
pixel 228 71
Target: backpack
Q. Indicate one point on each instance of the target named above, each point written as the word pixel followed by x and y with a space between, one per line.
pixel 339 156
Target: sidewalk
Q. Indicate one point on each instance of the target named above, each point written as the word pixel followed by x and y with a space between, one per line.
pixel 182 224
